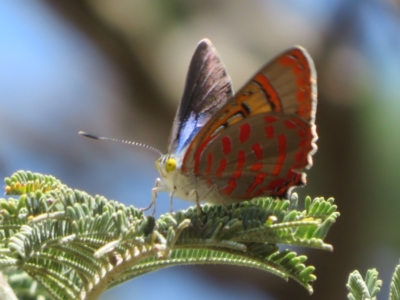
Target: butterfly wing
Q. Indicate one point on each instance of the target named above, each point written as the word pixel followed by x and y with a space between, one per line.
pixel 261 140
pixel 207 89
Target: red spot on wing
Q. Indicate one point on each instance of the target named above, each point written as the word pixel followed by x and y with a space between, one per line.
pixel 209 163
pixel 198 154
pixel 300 158
pixel 237 174
pixel 290 124
pixel 258 151
pixel 232 184
pixel 244 132
pixel 241 159
pixel 304 110
pixel 258 179
pixel 301 133
pixel 230 187
pixel 301 96
pixel 292 61
pixel 301 81
pixel 256 167
pixel 304 144
pixel 270 92
pixel 222 167
pixel 269 131
pixel 282 154
pixel 226 145
pixel 270 119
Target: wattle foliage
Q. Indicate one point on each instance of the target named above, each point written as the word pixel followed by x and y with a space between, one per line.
pixel 76 246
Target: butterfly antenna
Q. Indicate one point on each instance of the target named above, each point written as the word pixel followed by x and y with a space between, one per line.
pixel 136 144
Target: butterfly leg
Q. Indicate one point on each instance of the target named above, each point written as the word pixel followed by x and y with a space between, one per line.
pixel 197 199
pixel 171 196
pixel 158 186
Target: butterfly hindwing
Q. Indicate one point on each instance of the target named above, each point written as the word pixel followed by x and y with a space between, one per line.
pixel 261 140
pixel 207 89
pixel 258 156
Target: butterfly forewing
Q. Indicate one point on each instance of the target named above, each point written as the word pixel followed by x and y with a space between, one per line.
pixel 289 83
pixel 207 89
pixel 261 140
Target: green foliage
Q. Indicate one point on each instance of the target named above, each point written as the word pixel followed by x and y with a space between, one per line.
pixel 368 288
pixel 362 289
pixel 24 285
pixel 76 246
pixel 395 285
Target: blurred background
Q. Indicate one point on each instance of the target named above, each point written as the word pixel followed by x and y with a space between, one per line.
pixel 117 68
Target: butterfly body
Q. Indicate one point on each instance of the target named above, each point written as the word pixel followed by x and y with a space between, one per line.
pixel 224 148
pixel 188 187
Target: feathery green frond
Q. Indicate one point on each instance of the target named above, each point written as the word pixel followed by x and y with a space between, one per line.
pixel 76 246
pixel 395 285
pixel 25 286
pixel 361 289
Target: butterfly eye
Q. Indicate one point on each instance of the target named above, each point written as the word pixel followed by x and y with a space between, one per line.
pixel 170 164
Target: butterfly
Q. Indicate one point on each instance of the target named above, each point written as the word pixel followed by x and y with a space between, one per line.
pixel 226 148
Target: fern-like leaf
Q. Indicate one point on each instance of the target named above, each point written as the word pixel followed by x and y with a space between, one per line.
pixel 395 285
pixel 363 289
pixel 76 246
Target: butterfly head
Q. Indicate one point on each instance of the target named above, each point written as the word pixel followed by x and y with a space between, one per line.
pixel 167 165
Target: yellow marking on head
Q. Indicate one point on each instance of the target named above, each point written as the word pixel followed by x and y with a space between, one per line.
pixel 170 164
